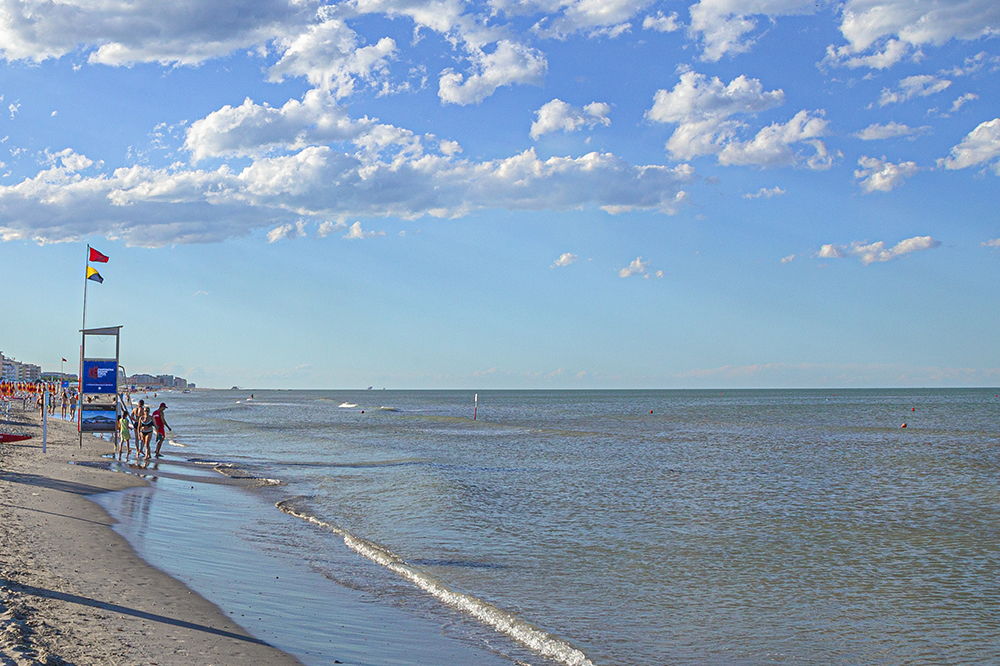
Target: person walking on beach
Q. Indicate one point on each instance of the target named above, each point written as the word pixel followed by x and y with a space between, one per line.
pixel 160 421
pixel 136 417
pixel 65 404
pixel 145 432
pixel 124 435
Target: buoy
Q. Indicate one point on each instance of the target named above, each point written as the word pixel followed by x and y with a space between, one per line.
pixel 903 426
pixel 913 409
pixel 651 411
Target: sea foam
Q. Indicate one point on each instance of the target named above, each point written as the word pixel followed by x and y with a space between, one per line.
pixel 502 621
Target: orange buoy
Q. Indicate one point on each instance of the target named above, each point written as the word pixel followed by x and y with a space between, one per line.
pixel 903 426
pixel 913 409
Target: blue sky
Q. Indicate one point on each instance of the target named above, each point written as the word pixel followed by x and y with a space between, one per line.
pixel 507 194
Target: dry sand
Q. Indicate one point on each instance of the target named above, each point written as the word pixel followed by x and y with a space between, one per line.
pixel 72 590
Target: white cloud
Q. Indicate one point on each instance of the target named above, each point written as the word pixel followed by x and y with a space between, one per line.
pixel 830 252
pixel 973 64
pixel 357 233
pixel 789 259
pixel 994 243
pixel 962 101
pixel 880 176
pixel 565 259
pixel 698 98
pixel 286 232
pixel 327 227
pixel 508 64
pixel 879 33
pixel 922 85
pixel 661 23
pixel 889 29
pixel 558 115
pixel 892 52
pixel 772 146
pixel 564 17
pixel 702 108
pixel 979 146
pixel 147 206
pixel 251 128
pixel 722 25
pixel 891 130
pixel 870 253
pixel 766 193
pixel 637 267
pixel 330 56
pixel 449 148
pixel 918 22
pixel 130 31
pixel 657 274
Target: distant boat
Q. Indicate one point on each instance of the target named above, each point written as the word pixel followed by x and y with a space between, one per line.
pixel 369 388
pixel 347 405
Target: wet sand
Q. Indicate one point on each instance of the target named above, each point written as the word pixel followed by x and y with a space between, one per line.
pixel 72 590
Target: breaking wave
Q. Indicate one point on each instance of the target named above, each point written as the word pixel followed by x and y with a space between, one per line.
pixel 502 621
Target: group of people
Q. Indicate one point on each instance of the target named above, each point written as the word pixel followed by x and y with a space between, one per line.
pixel 67 400
pixel 144 423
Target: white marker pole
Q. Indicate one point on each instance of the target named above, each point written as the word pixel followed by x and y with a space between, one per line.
pixel 45 416
pixel 476 409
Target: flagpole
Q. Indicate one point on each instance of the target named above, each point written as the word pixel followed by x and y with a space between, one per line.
pixel 85 281
pixel 83 338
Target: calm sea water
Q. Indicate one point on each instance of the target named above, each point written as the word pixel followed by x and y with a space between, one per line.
pixel 640 528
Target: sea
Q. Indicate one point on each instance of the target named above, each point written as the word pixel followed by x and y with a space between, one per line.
pixel 605 528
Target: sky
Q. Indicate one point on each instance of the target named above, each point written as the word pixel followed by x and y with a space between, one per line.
pixel 507 194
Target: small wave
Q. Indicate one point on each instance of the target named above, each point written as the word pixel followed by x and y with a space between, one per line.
pixel 174 442
pixel 347 405
pixel 203 461
pixel 237 472
pixel 388 409
pixel 502 621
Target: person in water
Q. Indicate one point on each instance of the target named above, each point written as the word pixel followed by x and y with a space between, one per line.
pixel 146 427
pixel 136 417
pixel 160 422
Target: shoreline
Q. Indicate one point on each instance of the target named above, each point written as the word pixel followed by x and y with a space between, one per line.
pixel 72 590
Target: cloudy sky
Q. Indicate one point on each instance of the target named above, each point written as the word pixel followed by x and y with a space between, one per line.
pixel 512 193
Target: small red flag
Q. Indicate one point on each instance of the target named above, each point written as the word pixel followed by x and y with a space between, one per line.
pixel 64 360
pixel 97 256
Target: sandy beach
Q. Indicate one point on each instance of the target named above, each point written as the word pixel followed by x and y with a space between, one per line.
pixel 72 590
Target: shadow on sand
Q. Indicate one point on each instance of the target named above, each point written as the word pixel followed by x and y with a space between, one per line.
pixel 124 610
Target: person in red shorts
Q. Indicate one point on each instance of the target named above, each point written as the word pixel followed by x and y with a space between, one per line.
pixel 160 422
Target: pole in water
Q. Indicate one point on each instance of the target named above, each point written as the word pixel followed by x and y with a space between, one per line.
pixel 476 408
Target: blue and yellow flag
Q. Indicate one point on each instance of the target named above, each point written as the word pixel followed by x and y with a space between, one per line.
pixel 92 274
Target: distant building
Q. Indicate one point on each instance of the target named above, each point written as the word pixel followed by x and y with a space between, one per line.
pixel 15 371
pixel 159 381
pixel 30 372
pixel 59 377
